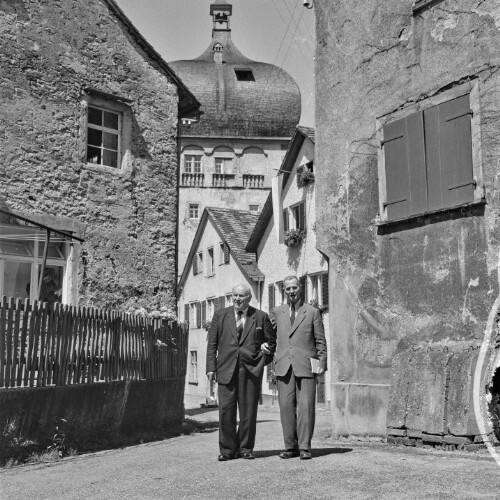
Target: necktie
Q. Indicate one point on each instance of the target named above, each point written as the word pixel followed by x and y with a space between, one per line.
pixel 239 325
pixel 292 315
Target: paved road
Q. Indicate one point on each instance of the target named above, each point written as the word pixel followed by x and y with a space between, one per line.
pixel 186 467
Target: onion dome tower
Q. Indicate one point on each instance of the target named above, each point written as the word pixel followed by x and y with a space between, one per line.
pixel 239 97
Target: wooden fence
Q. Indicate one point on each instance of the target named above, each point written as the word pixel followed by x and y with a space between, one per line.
pixel 53 344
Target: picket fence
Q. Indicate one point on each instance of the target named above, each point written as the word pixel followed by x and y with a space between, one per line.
pixel 53 344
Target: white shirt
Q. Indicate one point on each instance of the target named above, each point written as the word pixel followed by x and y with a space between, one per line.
pixel 243 316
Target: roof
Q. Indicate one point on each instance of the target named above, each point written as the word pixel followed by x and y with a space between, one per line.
pixel 268 106
pixel 234 227
pixel 301 133
pixel 188 104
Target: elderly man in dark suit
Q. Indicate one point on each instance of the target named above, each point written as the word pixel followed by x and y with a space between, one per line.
pixel 235 360
pixel 300 337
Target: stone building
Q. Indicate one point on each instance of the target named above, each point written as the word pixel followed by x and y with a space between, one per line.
pixel 216 262
pixel 407 212
pixel 88 156
pixel 279 253
pixel 249 113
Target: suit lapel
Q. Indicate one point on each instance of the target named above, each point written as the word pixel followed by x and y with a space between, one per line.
pixel 230 318
pixel 249 322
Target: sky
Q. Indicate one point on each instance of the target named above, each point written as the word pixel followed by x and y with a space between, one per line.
pixel 279 32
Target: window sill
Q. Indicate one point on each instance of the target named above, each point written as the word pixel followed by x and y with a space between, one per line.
pixel 104 169
pixel 420 5
pixel 412 218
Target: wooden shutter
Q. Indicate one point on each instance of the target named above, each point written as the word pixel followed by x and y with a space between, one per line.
pixel 448 144
pixel 195 264
pixel 405 172
pixel 302 216
pixel 198 315
pixel 226 253
pixel 270 292
pixel 324 290
pixel 219 303
pixel 186 312
pixel 203 311
pixel 285 220
pixel 303 287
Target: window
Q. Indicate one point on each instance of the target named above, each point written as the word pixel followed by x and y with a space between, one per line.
pixel 192 164
pixel 223 165
pixel 193 367
pixel 195 314
pixel 280 298
pixel 194 211
pixel 305 174
pixel 318 288
pixel 21 261
pixel 244 75
pixel 210 270
pixel 224 253
pixel 286 220
pixel 210 308
pixel 298 217
pixel 218 47
pixel 253 208
pixel 427 162
pixel 103 137
pixel 229 299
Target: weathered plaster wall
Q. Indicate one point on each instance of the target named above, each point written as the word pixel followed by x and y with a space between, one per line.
pixel 50 52
pixel 409 303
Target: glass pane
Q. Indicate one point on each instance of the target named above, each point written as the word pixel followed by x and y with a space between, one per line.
pixel 93 155
pixel 95 116
pixel 51 290
pixel 110 158
pixel 16 248
pixel 110 120
pixel 110 141
pixel 94 137
pixel 17 278
pixel 55 250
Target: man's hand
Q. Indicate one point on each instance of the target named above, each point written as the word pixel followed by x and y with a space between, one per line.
pixel 265 348
pixel 211 376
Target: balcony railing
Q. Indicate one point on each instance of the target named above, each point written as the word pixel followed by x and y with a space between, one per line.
pixel 253 181
pixel 192 180
pixel 219 180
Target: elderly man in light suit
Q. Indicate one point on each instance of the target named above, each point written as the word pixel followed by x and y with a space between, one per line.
pixel 300 337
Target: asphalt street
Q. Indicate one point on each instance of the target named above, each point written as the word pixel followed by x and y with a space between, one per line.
pixel 187 467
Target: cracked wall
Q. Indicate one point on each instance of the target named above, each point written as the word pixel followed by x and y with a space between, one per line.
pixel 420 285
pixel 50 53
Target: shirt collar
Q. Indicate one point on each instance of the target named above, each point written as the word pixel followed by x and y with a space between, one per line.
pixel 297 305
pixel 245 311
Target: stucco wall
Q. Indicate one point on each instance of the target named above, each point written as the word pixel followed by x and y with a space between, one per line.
pixel 50 52
pixel 410 302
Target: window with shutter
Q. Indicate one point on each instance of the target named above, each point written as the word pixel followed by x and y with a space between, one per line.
pixel 285 220
pixel 302 217
pixel 428 162
pixel 324 290
pixel 270 292
pixel 195 265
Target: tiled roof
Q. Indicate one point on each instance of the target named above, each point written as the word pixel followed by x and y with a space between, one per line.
pixel 236 226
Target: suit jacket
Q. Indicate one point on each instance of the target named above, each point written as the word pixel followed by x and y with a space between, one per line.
pixel 297 343
pixel 224 350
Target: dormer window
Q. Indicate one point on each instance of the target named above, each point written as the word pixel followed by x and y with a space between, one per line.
pixel 218 47
pixel 244 75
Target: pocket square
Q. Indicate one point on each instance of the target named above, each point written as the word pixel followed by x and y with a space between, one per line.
pixel 259 328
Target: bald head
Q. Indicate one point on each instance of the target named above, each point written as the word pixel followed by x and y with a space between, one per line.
pixel 242 294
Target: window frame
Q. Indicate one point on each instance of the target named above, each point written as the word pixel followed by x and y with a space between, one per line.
pixel 193 367
pixel 470 88
pixel 103 129
pixel 294 218
pixel 195 160
pixel 191 207
pixel 210 262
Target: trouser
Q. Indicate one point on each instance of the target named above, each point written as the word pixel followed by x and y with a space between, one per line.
pixel 297 400
pixel 241 393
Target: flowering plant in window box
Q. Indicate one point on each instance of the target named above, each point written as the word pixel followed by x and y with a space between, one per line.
pixel 305 177
pixel 206 324
pixel 294 237
pixel 315 304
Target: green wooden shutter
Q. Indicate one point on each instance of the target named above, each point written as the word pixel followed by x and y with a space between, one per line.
pixel 448 142
pixel 270 292
pixel 303 287
pixel 198 315
pixel 302 216
pixel 285 219
pixel 203 311
pixel 324 290
pixel 405 173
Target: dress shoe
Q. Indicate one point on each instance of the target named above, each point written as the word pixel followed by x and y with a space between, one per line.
pixel 248 455
pixel 224 458
pixel 289 454
pixel 305 455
